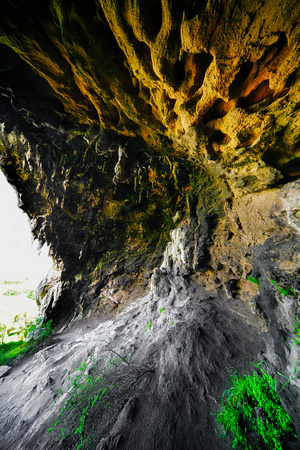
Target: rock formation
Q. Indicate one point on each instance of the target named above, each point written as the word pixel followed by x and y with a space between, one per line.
pixel 156 149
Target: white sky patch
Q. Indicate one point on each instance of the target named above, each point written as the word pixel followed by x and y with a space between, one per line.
pixel 19 254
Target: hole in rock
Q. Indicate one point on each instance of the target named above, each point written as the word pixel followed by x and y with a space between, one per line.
pixel 260 93
pixel 220 137
pixel 237 85
pixel 152 13
pixel 178 72
pixel 257 95
pixel 292 168
pixel 218 110
pixel 270 156
pixel 292 78
pixel 171 119
pixel 246 139
pixel 276 52
pixel 22 265
pixel 170 102
pixel 201 62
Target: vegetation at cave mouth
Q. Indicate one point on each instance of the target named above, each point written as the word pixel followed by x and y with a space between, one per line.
pixel 32 336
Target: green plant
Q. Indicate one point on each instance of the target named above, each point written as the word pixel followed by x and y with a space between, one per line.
pixel 254 280
pixel 22 326
pixel 7 282
pixel 10 351
pixel 35 333
pixel 289 379
pixel 296 329
pixel 148 326
pixel 251 410
pixel 161 310
pixel 31 295
pixel 287 291
pixel 11 292
pixel 94 397
pixel 79 404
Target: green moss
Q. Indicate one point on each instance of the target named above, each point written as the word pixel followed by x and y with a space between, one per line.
pixel 100 264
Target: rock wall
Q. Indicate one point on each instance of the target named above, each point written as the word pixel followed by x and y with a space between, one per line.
pixel 120 121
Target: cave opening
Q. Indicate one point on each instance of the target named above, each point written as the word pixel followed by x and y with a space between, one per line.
pixel 23 264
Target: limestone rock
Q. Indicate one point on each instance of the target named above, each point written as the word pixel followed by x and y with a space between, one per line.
pixel 157 72
pixel 4 370
pixel 287 207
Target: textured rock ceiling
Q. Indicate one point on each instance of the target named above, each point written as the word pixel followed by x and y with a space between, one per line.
pixel 208 79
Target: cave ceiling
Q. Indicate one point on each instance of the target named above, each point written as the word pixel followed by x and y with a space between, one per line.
pixel 121 118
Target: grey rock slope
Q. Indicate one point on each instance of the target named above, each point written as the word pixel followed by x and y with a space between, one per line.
pixel 182 344
pixel 190 347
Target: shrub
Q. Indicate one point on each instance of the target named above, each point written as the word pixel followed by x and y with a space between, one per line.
pixel 31 295
pixel 33 336
pixel 252 412
pixel 94 397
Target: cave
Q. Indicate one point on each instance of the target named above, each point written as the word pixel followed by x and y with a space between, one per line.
pixel 155 150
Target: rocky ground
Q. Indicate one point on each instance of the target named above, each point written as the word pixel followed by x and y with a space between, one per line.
pixel 192 346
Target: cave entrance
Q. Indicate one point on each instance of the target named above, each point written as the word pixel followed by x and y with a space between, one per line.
pixel 22 265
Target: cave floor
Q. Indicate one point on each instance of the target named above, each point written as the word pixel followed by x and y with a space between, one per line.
pixel 194 341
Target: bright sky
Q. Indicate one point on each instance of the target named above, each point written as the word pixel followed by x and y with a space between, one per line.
pixel 19 256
